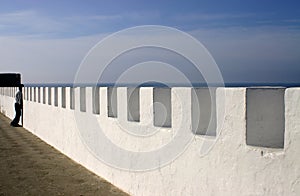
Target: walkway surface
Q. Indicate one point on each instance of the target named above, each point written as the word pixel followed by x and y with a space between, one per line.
pixel 29 166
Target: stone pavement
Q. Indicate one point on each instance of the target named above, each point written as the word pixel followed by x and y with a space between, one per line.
pixel 29 166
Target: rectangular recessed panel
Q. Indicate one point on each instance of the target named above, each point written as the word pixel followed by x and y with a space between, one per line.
pixel 72 98
pixel 133 104
pixel 39 94
pixel 82 99
pixel 55 96
pixel 27 93
pixel 162 107
pixel 44 95
pixel 34 94
pixel 96 103
pixel 265 117
pixel 204 111
pixel 112 102
pixel 30 93
pixel 63 97
pixel 49 95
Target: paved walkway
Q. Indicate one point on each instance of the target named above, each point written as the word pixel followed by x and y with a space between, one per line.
pixel 28 166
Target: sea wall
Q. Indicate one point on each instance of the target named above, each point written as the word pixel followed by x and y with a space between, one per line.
pixel 253 135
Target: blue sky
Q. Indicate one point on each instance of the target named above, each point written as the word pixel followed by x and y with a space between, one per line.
pixel 251 41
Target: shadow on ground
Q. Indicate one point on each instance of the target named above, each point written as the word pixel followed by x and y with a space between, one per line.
pixel 29 166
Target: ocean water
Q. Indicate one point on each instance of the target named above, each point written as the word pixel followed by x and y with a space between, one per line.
pixel 156 84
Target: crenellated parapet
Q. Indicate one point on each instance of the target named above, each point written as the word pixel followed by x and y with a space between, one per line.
pixel 253 135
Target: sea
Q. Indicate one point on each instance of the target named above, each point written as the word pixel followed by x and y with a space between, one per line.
pixel 162 85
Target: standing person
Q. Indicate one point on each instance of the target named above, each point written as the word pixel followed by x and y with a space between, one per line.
pixel 18 108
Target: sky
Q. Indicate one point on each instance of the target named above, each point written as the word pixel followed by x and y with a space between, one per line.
pixel 251 41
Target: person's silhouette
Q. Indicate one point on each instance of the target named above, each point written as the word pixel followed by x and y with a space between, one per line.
pixel 18 108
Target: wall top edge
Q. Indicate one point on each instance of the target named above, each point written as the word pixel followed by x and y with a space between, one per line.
pixel 170 84
pixel 177 87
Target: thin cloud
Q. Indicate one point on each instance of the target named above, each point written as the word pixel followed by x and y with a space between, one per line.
pixel 27 22
pixel 31 22
pixel 282 22
pixel 210 17
pixel 104 17
pixel 87 18
pixel 126 16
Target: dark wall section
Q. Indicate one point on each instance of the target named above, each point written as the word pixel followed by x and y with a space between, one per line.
pixel 10 79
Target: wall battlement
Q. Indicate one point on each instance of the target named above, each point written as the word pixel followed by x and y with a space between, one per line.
pixel 254 134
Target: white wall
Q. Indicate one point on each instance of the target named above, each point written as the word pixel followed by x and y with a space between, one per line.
pixel 231 167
